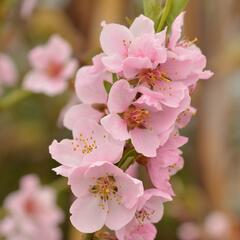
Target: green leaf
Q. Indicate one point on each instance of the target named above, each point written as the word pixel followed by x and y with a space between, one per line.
pixel 152 9
pixel 165 13
pixel 114 77
pixel 177 7
pixel 107 86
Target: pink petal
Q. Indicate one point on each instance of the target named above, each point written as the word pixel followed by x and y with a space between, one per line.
pixel 59 49
pixel 130 189
pixel 64 152
pixel 161 36
pixel 177 69
pixel 37 58
pixel 103 153
pixel 155 204
pixel 63 171
pixel 115 39
pixel 69 69
pixel 80 182
pixel 120 96
pixel 113 63
pixel 87 214
pixel 142 25
pixel 89 85
pixel 145 141
pixel 176 30
pixel 8 71
pixel 116 126
pixel 80 111
pixel 41 83
pixel 173 93
pixel 134 65
pixel 118 215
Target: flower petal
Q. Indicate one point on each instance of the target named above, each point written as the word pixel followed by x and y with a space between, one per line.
pixel 133 65
pixel 89 85
pixel 145 141
pixel 64 152
pixel 76 112
pixel 87 215
pixel 115 39
pixel 120 96
pixel 176 31
pixel 41 83
pixel 116 126
pixel 142 25
pixel 118 215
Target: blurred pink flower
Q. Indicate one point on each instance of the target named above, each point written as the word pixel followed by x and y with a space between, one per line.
pixel 8 72
pixel 105 195
pixel 138 120
pixel 27 8
pixel 33 214
pixel 217 226
pixel 189 231
pixel 90 143
pixel 52 66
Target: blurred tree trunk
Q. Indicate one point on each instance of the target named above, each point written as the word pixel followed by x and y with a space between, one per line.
pixel 214 104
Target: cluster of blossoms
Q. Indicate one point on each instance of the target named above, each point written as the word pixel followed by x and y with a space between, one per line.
pixel 31 213
pixel 134 99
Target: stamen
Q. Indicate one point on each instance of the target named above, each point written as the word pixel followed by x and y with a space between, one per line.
pixel 152 76
pixel 86 145
pixel 143 214
pixel 106 189
pixel 54 69
pixel 135 117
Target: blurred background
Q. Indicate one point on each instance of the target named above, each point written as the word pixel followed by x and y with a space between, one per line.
pixel 208 188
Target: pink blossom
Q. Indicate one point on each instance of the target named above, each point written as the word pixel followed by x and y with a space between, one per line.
pixel 105 196
pixel 52 67
pixel 8 72
pixel 185 60
pixel 149 210
pixel 89 82
pixel 167 162
pixel 33 213
pixel 135 231
pixel 138 45
pixel 189 231
pixel 90 143
pixel 135 119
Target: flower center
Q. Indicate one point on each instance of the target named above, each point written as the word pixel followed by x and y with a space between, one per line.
pixel 152 76
pixel 30 207
pixel 86 145
pixel 54 69
pixel 106 189
pixel 135 117
pixel 144 214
